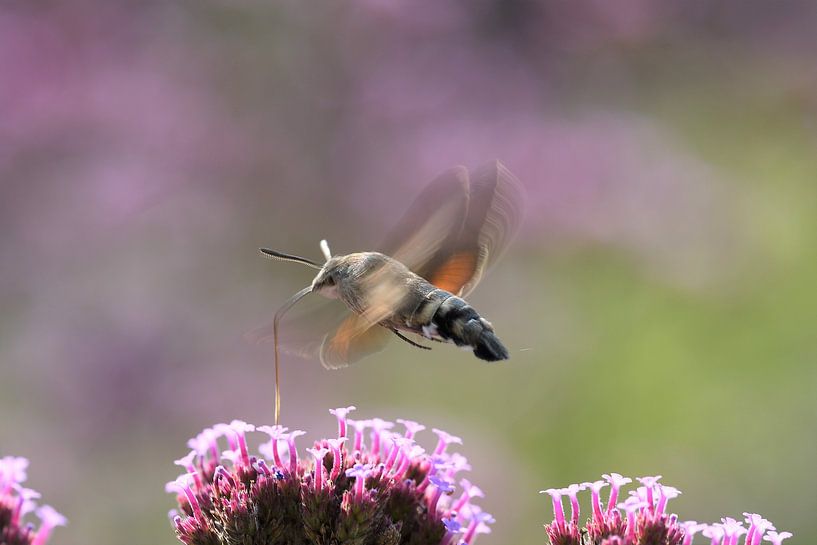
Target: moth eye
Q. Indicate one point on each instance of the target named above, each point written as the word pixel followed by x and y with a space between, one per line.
pixel 330 281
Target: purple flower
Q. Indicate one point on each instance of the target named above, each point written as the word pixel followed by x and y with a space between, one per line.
pixel 776 538
pixel 690 529
pixel 399 445
pixel 558 508
pixel 468 491
pixel 187 463
pixel 572 492
pixel 293 452
pixel 445 439
pixel 335 446
pixel 642 519
pixel 388 492
pixel 452 528
pixel 714 533
pixel 50 519
pixel 649 486
pixel 632 506
pixel 319 455
pixel 240 429
pixel 12 471
pixel 616 482
pixel 595 491
pixel 341 413
pixel 665 493
pixel 360 427
pixel 441 486
pixel 182 485
pixel 412 427
pixel 757 526
pixel 359 473
pixel 270 450
pixel 205 441
pixel 16 502
pixel 732 530
pixel 478 524
pixel 379 426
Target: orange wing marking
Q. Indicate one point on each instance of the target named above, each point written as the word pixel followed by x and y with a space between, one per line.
pixel 455 272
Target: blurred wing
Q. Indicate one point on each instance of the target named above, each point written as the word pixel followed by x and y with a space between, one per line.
pixel 459 226
pixel 354 339
pixel 302 330
pixel 360 335
pixel 432 223
pixel 328 332
pixel 494 214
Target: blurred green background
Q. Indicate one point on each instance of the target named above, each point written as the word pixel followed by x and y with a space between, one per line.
pixel 660 301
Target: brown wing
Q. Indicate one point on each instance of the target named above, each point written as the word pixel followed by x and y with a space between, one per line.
pixel 456 271
pixel 381 292
pixel 459 226
pixel 354 339
pixel 494 215
pixel 432 223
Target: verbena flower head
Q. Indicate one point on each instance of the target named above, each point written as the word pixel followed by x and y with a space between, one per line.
pixel 373 484
pixel 16 502
pixel 641 518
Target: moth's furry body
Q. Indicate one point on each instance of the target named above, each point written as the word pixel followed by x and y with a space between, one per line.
pixel 387 293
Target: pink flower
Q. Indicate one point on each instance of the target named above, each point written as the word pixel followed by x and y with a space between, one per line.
pixel 777 539
pixel 558 509
pixel 50 520
pixel 319 455
pixel 391 485
pixel 412 427
pixel 16 502
pixel 595 499
pixel 645 518
pixel 341 413
pixel 445 439
pixel 757 527
pixel 616 482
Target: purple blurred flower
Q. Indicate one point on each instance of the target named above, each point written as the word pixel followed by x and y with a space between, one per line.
pixel 16 502
pixel 384 491
pixel 641 519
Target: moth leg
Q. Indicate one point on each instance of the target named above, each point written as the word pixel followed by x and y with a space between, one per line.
pixel 412 343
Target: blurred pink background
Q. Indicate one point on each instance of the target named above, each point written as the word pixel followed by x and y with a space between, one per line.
pixel 661 287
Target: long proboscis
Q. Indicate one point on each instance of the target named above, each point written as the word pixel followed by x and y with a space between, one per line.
pixel 281 256
pixel 278 315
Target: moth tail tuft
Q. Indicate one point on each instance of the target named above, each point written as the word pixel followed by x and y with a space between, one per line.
pixel 490 348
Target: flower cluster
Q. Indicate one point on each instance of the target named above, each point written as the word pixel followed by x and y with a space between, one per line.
pixel 369 485
pixel 642 518
pixel 16 502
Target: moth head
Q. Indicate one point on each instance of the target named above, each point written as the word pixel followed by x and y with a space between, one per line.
pixel 326 281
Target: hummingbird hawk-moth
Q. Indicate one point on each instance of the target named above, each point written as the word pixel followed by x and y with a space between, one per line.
pixel 414 285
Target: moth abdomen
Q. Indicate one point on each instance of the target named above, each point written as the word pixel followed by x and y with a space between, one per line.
pixel 457 321
pixel 490 348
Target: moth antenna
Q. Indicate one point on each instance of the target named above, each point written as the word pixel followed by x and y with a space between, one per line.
pixel 325 249
pixel 280 256
pixel 278 315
